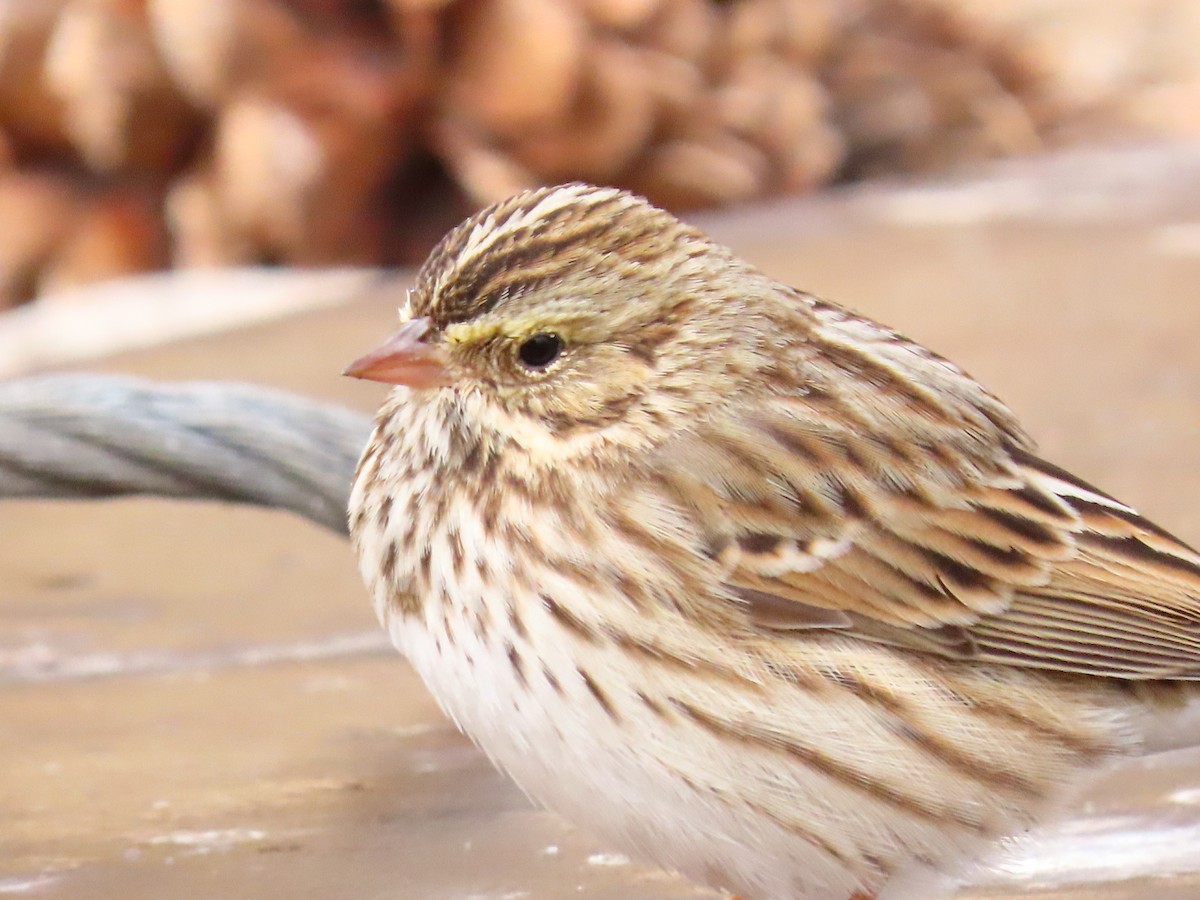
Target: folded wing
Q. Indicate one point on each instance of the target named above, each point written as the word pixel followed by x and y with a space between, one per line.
pixel 865 501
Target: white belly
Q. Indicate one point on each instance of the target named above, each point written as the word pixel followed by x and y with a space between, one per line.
pixel 612 773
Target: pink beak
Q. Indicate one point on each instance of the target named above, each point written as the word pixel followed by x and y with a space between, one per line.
pixel 404 358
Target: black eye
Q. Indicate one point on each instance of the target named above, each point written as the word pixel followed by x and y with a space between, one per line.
pixel 540 350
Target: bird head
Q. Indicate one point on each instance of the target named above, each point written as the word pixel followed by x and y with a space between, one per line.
pixel 578 311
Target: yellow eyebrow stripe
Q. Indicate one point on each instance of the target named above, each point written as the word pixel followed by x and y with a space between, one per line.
pixel 479 332
pixel 474 332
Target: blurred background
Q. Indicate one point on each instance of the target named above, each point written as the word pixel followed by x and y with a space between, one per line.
pixel 141 135
pixel 195 699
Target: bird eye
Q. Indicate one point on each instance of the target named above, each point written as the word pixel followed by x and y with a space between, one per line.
pixel 540 350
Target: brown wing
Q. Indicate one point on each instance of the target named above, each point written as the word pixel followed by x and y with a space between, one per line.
pixel 1127 603
pixel 923 519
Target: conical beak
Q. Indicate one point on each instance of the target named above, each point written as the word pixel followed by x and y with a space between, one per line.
pixel 404 358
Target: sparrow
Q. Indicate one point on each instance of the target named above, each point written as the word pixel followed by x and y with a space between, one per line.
pixel 748 585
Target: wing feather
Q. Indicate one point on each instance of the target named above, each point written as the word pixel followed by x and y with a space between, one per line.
pixel 922 518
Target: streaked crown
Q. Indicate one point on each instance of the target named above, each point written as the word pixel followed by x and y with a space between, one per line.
pixel 537 238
